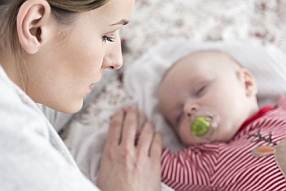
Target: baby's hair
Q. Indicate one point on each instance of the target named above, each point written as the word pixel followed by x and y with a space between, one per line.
pixel 222 52
pixel 199 52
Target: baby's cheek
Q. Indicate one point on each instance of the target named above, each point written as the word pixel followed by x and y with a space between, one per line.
pixel 184 134
pixel 225 131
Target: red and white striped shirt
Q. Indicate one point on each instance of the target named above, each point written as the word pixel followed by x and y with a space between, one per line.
pixel 231 166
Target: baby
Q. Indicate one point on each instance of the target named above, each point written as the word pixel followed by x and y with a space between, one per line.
pixel 210 101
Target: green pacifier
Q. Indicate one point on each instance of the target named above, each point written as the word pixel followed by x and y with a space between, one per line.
pixel 200 126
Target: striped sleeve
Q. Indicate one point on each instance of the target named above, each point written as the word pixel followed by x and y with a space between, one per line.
pixel 282 102
pixel 189 169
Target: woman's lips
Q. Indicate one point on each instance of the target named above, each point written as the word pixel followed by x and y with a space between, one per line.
pixel 91 86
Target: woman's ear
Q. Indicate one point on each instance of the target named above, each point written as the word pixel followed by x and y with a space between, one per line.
pixel 32 24
pixel 249 82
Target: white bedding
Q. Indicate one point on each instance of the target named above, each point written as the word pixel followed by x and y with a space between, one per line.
pixel 194 24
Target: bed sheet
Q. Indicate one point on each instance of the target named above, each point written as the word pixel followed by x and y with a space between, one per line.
pixel 250 21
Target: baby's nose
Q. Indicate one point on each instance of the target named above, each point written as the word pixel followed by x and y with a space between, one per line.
pixel 190 109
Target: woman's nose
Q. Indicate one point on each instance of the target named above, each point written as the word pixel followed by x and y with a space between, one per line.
pixel 113 57
pixel 190 109
pixel 112 62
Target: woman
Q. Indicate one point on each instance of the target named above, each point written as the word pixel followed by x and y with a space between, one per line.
pixel 52 52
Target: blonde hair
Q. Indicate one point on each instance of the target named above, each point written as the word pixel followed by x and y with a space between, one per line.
pixel 63 10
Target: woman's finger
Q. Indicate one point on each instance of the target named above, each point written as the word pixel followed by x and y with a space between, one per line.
pixel 129 126
pixel 115 129
pixel 156 146
pixel 141 120
pixel 145 139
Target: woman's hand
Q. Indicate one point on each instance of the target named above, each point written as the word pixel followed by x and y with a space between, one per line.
pixel 125 166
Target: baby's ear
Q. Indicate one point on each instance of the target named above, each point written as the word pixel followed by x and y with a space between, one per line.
pixel 249 82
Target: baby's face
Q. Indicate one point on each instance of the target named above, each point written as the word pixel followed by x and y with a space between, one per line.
pixel 208 84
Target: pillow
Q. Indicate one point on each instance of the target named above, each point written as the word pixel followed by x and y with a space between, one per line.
pixel 141 80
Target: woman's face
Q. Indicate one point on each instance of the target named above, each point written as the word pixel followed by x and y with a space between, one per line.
pixel 64 70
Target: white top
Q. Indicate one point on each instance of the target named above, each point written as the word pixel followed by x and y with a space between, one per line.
pixel 32 155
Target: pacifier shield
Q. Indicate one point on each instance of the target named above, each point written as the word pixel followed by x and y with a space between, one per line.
pixel 200 126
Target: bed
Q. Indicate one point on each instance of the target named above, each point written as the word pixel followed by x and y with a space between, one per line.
pixel 159 23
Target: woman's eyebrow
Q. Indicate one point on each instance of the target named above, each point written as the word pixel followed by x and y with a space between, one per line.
pixel 122 22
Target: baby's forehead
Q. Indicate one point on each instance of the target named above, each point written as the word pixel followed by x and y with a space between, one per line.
pixel 201 61
pixel 206 58
pixel 206 55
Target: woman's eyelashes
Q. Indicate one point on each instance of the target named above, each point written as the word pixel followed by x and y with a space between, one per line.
pixel 106 38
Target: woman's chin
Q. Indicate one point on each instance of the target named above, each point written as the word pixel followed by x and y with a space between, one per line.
pixel 71 108
pixel 76 109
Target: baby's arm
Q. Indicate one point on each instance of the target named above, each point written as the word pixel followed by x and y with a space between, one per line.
pixel 189 169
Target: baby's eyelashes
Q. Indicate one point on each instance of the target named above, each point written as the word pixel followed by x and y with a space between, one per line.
pixel 201 91
pixel 201 88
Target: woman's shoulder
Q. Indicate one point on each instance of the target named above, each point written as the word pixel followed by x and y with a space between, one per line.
pixel 30 148
pixel 17 110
